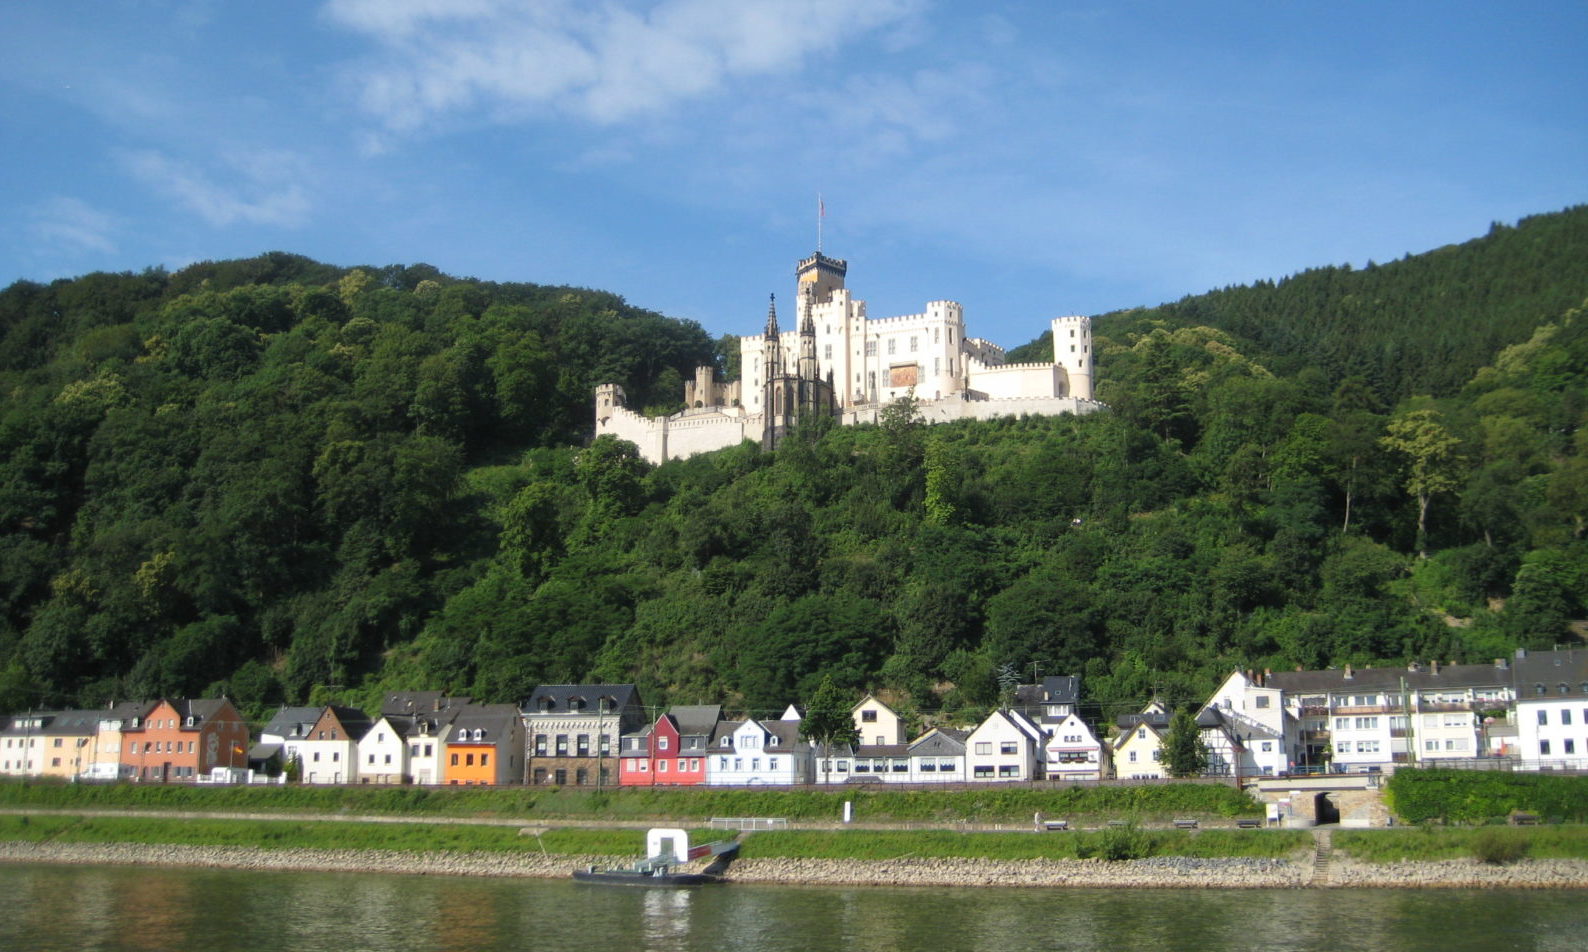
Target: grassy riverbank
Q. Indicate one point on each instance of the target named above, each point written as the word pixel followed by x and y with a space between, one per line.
pixel 1495 844
pixel 1129 843
pixel 1145 803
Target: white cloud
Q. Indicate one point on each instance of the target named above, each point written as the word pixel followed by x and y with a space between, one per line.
pixel 605 63
pixel 72 225
pixel 267 186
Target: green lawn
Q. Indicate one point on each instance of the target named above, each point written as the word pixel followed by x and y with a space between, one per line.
pixel 838 844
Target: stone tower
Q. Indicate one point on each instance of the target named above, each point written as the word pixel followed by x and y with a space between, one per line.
pixel 819 276
pixel 1072 351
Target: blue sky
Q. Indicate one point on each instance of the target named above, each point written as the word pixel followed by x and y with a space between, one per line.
pixel 1025 159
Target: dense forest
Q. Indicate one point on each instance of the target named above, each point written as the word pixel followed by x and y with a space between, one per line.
pixel 288 481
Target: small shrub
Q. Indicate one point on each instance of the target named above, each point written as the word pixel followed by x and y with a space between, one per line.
pixel 1116 843
pixel 1498 847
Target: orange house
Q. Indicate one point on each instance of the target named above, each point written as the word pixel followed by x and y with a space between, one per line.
pixel 484 745
pixel 182 739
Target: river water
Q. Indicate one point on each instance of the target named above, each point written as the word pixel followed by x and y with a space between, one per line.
pixel 120 908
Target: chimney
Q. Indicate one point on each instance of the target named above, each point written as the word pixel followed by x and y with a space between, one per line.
pixel 1348 675
pixel 1413 666
pixel 1268 673
pixel 1500 663
pixel 1434 666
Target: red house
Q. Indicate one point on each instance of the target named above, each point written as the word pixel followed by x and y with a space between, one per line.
pixel 671 752
pixel 183 739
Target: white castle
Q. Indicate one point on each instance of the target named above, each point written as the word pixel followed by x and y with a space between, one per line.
pixel 837 361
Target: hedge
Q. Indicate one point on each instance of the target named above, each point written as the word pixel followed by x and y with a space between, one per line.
pixel 1479 796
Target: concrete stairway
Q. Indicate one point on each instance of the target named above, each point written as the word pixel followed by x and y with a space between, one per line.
pixel 1322 850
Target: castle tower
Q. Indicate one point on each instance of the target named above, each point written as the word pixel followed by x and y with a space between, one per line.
pixel 821 275
pixel 1072 350
pixel 609 396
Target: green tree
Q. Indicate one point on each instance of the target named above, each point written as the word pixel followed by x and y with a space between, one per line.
pixel 1432 461
pixel 829 722
pixel 1184 754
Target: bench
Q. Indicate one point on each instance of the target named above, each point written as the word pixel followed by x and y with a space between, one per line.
pixel 1053 825
pixel 1524 819
pixel 1185 824
pixel 1248 823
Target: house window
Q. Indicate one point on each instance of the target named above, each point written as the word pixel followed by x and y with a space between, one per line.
pixel 871 348
pixel 1133 756
pixel 1261 701
pixel 454 760
pixel 485 760
pixel 1009 771
pixel 771 763
pixel 891 343
pixel 562 745
pixel 468 760
pixel 661 743
pixel 1543 748
pixel 915 344
pixel 1543 718
pixel 582 745
pixel 661 765
pixel 540 745
pixel 1571 746
pixel 983 772
pixel 868 717
pixel 1565 718
pixel 983 747
pixel 1008 747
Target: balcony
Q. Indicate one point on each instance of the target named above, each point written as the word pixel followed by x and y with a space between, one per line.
pixel 1398 732
pixel 1369 709
pixel 1435 707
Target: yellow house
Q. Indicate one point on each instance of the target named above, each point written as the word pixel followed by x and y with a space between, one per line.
pixel 68 743
pixel 877 723
pixel 1138 745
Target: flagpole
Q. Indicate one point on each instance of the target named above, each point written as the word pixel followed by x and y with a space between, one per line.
pixel 821 214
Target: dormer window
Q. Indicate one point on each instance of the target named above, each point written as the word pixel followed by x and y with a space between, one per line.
pixel 479 735
pixel 607 705
pixel 1538 689
pixel 190 720
pixel 545 705
pixel 463 733
pixel 576 704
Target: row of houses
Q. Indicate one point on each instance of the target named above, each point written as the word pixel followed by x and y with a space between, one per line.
pixel 1529 712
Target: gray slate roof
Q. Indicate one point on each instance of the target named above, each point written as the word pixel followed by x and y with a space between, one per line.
pixel 1552 670
pixel 1416 678
pixel 290 722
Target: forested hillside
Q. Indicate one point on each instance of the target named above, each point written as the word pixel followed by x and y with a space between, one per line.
pixel 286 481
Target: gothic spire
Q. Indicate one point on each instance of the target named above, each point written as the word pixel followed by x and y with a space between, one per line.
pixel 771 317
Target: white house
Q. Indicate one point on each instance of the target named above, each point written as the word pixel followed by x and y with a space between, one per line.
pixel 1005 746
pixel 938 756
pixel 283 737
pixel 756 753
pixel 329 753
pixel 1073 751
pixel 383 750
pixel 426 739
pixel 1246 730
pixel 1552 709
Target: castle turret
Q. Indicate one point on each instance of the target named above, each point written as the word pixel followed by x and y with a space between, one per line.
pixel 807 366
pixel 772 344
pixel 1072 350
pixel 821 275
